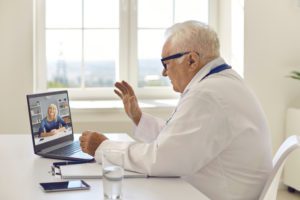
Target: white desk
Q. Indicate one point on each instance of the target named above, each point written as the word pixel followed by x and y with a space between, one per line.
pixel 21 172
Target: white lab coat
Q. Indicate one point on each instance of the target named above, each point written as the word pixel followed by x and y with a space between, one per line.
pixel 217 139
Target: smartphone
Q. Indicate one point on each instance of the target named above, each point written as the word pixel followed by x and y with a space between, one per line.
pixel 65 186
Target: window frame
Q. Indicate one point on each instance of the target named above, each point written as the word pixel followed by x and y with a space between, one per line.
pixel 128 60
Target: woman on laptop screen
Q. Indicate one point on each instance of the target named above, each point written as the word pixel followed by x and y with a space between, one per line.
pixel 52 123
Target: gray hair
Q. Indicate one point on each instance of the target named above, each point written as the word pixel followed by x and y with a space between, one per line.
pixel 194 36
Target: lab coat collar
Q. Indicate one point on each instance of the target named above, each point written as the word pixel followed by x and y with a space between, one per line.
pixel 202 73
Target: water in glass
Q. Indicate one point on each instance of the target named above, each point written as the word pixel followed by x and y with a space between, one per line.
pixel 112 182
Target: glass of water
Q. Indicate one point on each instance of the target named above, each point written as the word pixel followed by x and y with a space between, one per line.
pixel 113 173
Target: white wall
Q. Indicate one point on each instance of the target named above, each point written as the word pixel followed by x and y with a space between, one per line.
pixel 272 49
pixel 15 64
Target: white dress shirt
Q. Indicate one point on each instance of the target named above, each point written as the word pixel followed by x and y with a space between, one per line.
pixel 217 139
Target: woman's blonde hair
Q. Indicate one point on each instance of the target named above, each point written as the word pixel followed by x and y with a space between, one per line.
pixel 54 107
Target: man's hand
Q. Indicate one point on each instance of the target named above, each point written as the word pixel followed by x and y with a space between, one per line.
pixel 126 93
pixel 89 141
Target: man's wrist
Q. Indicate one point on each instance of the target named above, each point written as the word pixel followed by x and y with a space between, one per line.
pixel 137 119
pixel 97 154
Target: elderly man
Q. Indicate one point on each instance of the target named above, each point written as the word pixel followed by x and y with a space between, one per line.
pixel 217 138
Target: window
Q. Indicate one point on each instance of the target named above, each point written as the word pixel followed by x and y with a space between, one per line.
pixel 87 45
pixel 150 30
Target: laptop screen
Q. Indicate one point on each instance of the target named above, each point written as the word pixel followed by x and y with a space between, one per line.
pixel 50 118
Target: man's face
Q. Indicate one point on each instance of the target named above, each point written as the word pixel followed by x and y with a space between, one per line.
pixel 178 72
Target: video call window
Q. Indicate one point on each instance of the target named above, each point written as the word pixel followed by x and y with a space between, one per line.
pixel 50 117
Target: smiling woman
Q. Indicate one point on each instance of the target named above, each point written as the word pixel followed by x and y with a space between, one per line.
pixel 52 123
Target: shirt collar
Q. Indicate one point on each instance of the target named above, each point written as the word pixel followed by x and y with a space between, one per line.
pixel 202 72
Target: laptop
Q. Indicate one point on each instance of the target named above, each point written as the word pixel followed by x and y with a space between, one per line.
pixel 52 127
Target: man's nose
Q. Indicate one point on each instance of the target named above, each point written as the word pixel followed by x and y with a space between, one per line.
pixel 164 72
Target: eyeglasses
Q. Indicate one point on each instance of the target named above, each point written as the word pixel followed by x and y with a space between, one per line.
pixel 171 57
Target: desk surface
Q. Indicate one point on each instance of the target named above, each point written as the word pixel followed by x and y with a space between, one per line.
pixel 21 172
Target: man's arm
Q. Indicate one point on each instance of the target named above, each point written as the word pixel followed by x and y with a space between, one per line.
pixel 148 128
pixel 190 140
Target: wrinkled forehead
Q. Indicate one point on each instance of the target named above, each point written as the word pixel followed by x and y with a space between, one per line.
pixel 167 49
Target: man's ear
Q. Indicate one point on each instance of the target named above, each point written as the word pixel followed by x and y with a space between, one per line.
pixel 193 62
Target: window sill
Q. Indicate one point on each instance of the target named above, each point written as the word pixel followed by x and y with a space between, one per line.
pixel 117 104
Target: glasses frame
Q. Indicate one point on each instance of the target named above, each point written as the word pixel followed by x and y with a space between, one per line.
pixel 171 57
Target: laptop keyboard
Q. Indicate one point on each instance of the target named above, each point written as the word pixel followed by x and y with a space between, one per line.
pixel 67 150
